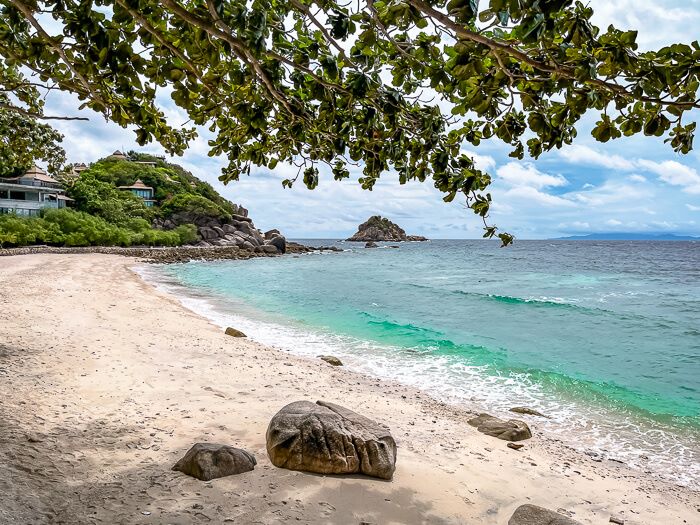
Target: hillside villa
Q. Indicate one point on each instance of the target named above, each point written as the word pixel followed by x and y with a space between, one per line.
pixel 30 193
pixel 141 190
pixel 36 190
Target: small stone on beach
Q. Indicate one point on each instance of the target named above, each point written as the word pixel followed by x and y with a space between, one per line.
pixel 515 446
pixel 234 333
pixel 510 430
pixel 528 411
pixel 207 461
pixel 534 515
pixel 331 360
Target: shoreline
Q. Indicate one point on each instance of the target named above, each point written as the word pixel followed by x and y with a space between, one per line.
pixel 164 254
pixel 122 380
pixel 587 428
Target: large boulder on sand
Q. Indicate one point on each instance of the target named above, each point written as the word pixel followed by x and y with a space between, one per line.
pixel 510 430
pixel 329 439
pixel 534 515
pixel 207 461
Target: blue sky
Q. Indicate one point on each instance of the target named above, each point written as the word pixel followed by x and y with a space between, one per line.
pixel 633 185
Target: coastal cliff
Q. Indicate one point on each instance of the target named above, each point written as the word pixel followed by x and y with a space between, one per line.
pixel 378 228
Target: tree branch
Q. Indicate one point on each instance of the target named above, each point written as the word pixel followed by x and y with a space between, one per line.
pixel 38 116
pixel 566 72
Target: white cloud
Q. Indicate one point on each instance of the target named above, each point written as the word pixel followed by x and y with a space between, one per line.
pixel 659 22
pixel 585 155
pixel 674 173
pixel 692 208
pixel 482 162
pixel 526 174
pixel 613 222
pixel 533 195
pixel 637 178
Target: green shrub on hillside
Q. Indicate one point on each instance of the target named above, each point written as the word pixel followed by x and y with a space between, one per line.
pixel 167 180
pixel 195 205
pixel 68 227
pixel 104 200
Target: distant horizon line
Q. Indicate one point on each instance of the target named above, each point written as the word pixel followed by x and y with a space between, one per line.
pixel 591 237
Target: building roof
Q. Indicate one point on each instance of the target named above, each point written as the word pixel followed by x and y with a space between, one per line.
pixel 35 170
pixel 36 173
pixel 119 155
pixel 138 185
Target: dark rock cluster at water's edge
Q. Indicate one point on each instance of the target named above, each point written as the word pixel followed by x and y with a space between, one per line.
pixel 165 255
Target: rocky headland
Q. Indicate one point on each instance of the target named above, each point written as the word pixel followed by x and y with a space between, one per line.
pixel 378 228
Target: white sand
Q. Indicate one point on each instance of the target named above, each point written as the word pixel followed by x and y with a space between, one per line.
pixel 105 383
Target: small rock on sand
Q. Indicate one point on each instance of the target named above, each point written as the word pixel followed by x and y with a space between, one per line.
pixel 515 446
pixel 616 520
pixel 234 333
pixel 534 515
pixel 206 461
pixel 510 430
pixel 331 360
pixel 329 439
pixel 527 411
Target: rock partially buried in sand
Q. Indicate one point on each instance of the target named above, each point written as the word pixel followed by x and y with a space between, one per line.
pixel 329 439
pixel 234 333
pixel 208 461
pixel 510 430
pixel 527 411
pixel 534 515
pixel 331 360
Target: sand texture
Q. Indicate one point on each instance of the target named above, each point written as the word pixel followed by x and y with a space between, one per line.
pixel 105 383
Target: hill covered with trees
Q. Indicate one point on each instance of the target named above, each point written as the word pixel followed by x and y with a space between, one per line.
pixel 103 212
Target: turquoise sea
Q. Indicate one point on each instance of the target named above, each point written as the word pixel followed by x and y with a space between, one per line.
pixel 604 337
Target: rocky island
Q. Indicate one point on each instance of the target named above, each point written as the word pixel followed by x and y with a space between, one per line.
pixel 378 228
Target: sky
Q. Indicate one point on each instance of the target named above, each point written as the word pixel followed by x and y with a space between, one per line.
pixel 634 184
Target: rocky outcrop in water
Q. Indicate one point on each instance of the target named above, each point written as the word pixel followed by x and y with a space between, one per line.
pixel 329 439
pixel 378 228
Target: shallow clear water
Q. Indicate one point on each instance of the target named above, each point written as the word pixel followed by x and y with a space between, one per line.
pixel 602 336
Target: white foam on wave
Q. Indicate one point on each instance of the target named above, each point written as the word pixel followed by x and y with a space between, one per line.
pixel 592 429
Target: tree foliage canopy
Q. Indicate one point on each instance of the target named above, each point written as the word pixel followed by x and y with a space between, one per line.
pixel 323 82
pixel 23 139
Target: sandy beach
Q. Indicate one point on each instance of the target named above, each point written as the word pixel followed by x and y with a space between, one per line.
pixel 106 382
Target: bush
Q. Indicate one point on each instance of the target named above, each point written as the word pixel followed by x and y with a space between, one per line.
pixel 67 227
pixel 194 205
pixel 104 200
pixel 187 233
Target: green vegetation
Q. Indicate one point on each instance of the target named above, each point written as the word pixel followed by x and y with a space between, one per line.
pixel 68 227
pixel 23 139
pixel 104 215
pixel 175 189
pixel 396 86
